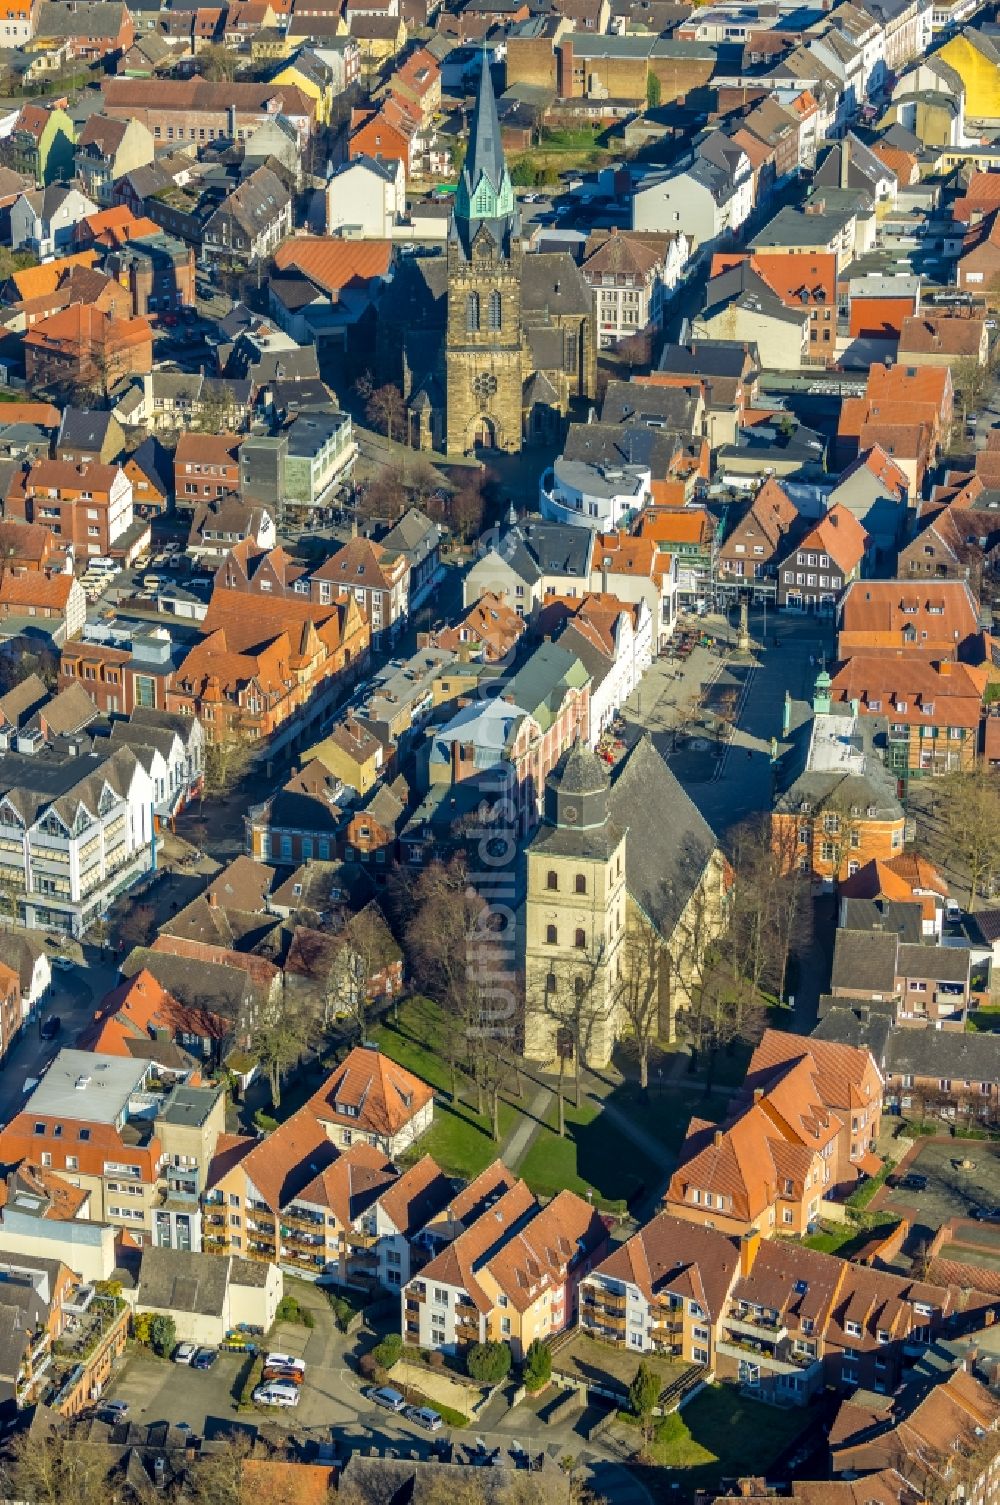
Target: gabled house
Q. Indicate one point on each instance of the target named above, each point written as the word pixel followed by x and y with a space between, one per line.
pixel 812 576
pixel 510 1275
pixel 252 221
pixel 876 491
pixel 749 554
pixel 44 221
pixel 106 149
pixel 808 1125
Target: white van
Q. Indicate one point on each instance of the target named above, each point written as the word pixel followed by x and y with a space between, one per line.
pixel 277 1393
pixel 284 1361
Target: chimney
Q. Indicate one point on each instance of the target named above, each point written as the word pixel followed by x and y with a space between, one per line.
pixel 845 161
pixel 749 1244
pixel 717 1139
pixel 213 899
pixel 758 1093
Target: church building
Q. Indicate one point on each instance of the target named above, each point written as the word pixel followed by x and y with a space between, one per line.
pixel 490 344
pixel 626 889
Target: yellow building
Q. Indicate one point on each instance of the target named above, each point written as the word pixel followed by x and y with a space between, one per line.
pixel 977 62
pixel 626 889
pixel 574 917
pixel 316 81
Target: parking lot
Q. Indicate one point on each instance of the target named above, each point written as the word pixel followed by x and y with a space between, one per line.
pixel 952 1191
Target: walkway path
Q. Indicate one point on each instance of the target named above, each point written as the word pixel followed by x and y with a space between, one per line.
pixel 519 1140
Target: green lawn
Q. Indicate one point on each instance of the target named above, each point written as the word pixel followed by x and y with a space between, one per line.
pixel 844 1239
pixel 721 1434
pixel 983 1021
pixel 593 1156
pixel 665 1112
pixel 459 1138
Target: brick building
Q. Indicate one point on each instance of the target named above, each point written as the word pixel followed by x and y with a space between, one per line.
pixel 836 806
pixel 87 505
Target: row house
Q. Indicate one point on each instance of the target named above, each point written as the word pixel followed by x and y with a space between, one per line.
pixel 86 506
pixel 374 576
pixel 612 639
pixel 747 558
pixel 823 564
pixel 510 1276
pixel 206 465
pixel 284 1197
pixel 807 1130
pixel 487 633
pixel 632 277
pixel 933 709
pixel 184 110
pixel 949 1075
pixel 252 672
pixel 775 1319
pixel 924 984
pixel 76 832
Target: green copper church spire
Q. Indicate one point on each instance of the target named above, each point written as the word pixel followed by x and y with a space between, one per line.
pixel 485 192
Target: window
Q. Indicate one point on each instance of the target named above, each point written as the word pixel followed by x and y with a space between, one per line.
pixel 440 1295
pixel 581 883
pixel 472 313
pixel 551 936
pixel 72 1163
pixel 496 310
pixel 580 940
pixel 852 1329
pixel 552 880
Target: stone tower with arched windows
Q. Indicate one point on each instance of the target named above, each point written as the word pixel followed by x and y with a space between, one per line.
pixel 484 336
pixel 575 917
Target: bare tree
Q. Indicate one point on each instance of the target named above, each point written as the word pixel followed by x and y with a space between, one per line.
pixel 49 1464
pixel 972 828
pixel 227 758
pixel 136 928
pixel 645 979
pixel 385 409
pixel 281 1036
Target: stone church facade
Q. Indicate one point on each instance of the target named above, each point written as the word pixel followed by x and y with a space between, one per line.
pixel 490 345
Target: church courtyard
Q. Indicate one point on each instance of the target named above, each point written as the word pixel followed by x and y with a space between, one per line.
pixel 620 1145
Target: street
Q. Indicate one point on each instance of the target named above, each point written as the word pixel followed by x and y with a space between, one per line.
pixel 332 1402
pixel 73 996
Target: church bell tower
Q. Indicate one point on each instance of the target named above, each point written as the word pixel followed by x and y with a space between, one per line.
pixel 484 336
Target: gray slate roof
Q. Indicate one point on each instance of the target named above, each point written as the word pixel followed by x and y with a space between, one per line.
pixel 669 841
pixel 864 961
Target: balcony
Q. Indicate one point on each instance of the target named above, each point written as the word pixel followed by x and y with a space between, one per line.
pixel 295 1217
pixel 760 1328
pixel 788 1363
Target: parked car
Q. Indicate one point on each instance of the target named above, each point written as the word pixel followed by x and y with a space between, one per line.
pixel 424 1417
pixel 952 911
pixel 388 1399
pixel 63 963
pixel 284 1361
pixel 185 1352
pixel 204 1358
pixel 113 1410
pixel 279 1372
pixel 51 1027
pixel 276 1395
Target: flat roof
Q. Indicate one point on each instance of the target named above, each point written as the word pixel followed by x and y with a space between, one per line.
pixel 190 1106
pixel 82 1084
